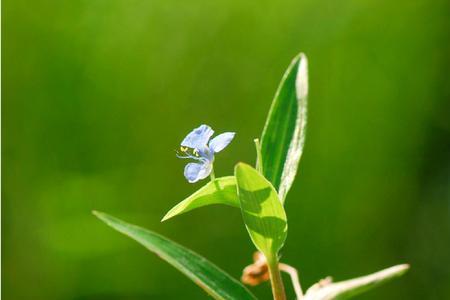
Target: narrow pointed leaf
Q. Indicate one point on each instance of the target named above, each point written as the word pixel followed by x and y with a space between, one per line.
pixel 262 211
pixel 220 191
pixel 284 132
pixel 349 288
pixel 208 276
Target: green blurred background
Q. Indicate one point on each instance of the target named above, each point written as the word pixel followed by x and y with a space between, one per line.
pixel 97 95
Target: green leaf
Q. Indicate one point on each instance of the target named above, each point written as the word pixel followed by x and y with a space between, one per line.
pixel 346 289
pixel 263 213
pixel 220 191
pixel 208 276
pixel 284 132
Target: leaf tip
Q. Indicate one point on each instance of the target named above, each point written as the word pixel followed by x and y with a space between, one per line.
pixel 302 55
pixel 240 168
pixel 167 216
pixel 241 165
pixel 100 215
pixel 401 269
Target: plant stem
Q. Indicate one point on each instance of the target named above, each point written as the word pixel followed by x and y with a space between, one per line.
pixel 276 280
pixel 259 165
pixel 212 175
pixel 294 278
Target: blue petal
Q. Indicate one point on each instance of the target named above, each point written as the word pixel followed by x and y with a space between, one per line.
pixel 198 138
pixel 221 141
pixel 206 154
pixel 197 171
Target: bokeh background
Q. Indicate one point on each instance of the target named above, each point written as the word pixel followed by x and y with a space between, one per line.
pixel 97 95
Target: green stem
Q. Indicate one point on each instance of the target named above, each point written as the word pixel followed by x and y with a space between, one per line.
pixel 276 280
pixel 259 165
pixel 212 175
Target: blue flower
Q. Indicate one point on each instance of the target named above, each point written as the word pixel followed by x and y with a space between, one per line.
pixel 195 146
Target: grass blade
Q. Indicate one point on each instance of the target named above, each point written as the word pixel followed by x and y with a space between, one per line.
pixel 284 132
pixel 208 276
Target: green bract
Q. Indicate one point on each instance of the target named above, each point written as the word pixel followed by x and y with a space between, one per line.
pixel 262 211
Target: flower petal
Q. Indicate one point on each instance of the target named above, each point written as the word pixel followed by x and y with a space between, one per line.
pixel 221 141
pixel 197 171
pixel 198 138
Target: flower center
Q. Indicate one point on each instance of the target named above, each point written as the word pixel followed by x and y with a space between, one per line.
pixel 189 151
